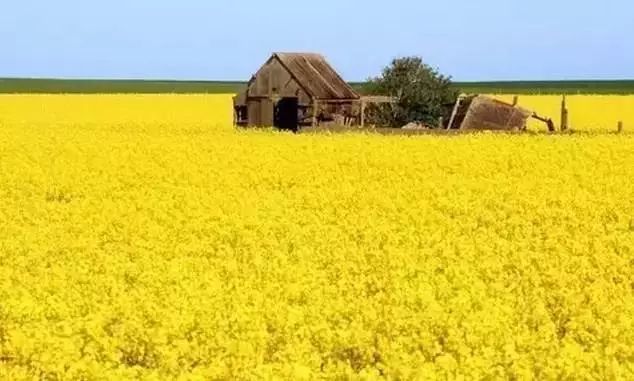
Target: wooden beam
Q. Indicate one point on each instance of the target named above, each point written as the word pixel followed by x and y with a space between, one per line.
pixel 378 99
pixel 362 113
pixel 326 101
pixel 454 112
pixel 315 107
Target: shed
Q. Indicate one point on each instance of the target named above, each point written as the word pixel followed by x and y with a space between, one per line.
pixel 295 89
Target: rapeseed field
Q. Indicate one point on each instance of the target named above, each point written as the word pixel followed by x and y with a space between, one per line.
pixel 587 112
pixel 141 237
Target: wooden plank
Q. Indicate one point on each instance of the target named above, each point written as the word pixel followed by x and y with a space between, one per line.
pixel 336 101
pixel 266 113
pixel 253 110
pixel 315 110
pixel 454 112
pixel 362 112
pixel 379 99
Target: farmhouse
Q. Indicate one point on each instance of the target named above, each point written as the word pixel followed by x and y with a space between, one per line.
pixel 296 89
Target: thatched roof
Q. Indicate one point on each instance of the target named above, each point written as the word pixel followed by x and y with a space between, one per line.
pixel 316 76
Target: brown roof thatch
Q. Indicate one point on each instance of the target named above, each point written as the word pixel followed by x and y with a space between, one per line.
pixel 316 76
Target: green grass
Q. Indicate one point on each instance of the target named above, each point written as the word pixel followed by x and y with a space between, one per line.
pixel 95 86
pixel 89 86
pixel 542 87
pixel 549 87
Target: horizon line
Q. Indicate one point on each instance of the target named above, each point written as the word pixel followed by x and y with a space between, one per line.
pixel 245 81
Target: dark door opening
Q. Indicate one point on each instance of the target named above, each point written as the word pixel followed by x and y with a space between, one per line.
pixel 286 114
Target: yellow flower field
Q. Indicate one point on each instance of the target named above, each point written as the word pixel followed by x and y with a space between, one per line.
pixel 131 112
pixel 141 237
pixel 586 112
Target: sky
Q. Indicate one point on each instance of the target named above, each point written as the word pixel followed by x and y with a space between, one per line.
pixel 229 40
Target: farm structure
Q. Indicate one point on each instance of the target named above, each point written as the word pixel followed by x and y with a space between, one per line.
pixel 480 112
pixel 292 90
pixel 295 90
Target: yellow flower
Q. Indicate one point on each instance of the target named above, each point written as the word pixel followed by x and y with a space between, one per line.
pixel 143 238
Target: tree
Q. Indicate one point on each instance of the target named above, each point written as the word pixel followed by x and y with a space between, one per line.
pixel 421 93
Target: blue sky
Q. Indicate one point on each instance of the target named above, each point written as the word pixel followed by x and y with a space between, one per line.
pixel 214 39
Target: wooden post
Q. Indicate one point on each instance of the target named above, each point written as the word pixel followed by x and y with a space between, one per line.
pixel 315 110
pixel 362 113
pixel 619 127
pixel 440 122
pixel 564 114
pixel 515 100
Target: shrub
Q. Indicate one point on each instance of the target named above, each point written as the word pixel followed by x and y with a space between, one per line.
pixel 421 92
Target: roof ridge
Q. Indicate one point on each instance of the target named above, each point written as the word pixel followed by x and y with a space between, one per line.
pixel 300 53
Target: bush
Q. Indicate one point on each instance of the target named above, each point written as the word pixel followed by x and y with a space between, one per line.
pixel 421 93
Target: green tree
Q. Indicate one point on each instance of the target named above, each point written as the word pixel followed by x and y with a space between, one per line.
pixel 422 93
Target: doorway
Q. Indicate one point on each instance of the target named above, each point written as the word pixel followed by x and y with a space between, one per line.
pixel 286 114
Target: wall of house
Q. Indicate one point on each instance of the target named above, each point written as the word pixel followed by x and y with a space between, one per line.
pixel 260 111
pixel 273 77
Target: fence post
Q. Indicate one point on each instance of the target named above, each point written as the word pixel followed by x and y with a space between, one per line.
pixel 564 114
pixel 619 127
pixel 515 100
